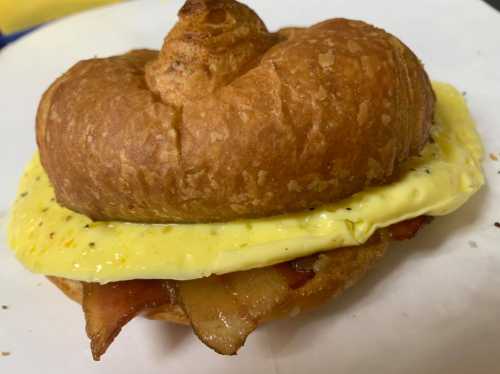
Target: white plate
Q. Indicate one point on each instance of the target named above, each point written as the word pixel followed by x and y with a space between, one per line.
pixel 431 306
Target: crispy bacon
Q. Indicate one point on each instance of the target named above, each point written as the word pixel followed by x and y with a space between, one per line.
pixel 259 291
pixel 224 310
pixel 295 275
pixel 237 302
pixel 109 307
pixel 405 230
pixel 215 315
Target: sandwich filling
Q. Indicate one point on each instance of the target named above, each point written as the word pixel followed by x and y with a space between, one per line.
pixel 53 240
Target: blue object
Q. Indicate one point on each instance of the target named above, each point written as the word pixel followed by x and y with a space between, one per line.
pixel 6 39
pixel 494 3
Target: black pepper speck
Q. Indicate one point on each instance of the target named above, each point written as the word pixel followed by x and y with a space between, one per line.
pixel 24 194
pixel 91 244
pixel 472 244
pixel 51 235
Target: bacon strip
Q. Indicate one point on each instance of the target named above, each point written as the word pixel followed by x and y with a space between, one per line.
pixel 237 302
pixel 224 310
pixel 259 291
pixel 109 307
pixel 215 315
pixel 295 275
pixel 405 230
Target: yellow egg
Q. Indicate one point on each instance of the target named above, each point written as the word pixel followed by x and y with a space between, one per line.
pixel 53 240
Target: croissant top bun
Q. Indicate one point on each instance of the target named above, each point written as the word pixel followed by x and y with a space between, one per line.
pixel 229 120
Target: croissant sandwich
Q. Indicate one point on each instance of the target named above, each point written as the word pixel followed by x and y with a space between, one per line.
pixel 237 175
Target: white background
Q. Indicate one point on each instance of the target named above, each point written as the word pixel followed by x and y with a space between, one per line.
pixel 431 306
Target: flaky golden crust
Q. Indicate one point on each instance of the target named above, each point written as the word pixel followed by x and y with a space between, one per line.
pixel 213 43
pixel 231 121
pixel 335 271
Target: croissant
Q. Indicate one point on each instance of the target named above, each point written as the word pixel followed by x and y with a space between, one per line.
pixel 227 121
pixel 232 121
